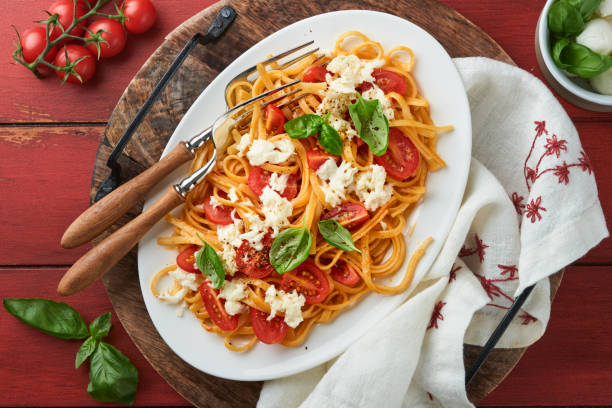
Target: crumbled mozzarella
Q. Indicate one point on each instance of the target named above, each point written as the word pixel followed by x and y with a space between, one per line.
pixel 342 126
pixel 200 207
pixel 185 279
pixel 245 141
pixel 289 303
pixel 215 202
pixel 352 71
pixel 230 238
pixel 232 195
pixel 371 189
pixel 173 299
pixel 233 292
pixel 597 35
pixel 376 93
pixel 180 311
pixel 605 8
pixel 383 225
pixel 263 151
pixel 602 83
pixel 337 180
pixel 276 209
pixel 278 182
pixel 335 103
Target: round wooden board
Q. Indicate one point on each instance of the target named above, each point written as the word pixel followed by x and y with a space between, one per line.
pixel 256 20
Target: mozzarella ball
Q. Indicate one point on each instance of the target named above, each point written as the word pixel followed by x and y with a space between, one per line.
pixel 602 83
pixel 605 8
pixel 597 36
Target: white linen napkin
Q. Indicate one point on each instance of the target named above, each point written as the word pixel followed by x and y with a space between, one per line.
pixel 530 208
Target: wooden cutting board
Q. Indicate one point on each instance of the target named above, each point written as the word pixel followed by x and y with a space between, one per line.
pixel 256 20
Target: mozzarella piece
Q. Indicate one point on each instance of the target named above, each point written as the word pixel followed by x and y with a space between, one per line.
pixel 233 292
pixel 605 8
pixel 289 303
pixel 376 93
pixel 342 126
pixel 256 232
pixel 371 189
pixel 352 71
pixel 173 299
pixel 230 238
pixel 602 83
pixel 263 151
pixel 597 35
pixel 185 279
pixel 180 311
pixel 215 202
pixel 244 143
pixel 278 182
pixel 336 180
pixel 276 209
pixel 232 195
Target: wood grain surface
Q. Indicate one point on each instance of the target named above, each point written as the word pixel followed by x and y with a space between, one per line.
pixel 457 35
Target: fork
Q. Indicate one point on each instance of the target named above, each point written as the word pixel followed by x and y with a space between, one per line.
pixel 102 214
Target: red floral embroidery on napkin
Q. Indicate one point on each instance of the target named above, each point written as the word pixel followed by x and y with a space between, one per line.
pixel 479 249
pixel 511 270
pixel 534 208
pixel 436 315
pixel 527 318
pixel 453 273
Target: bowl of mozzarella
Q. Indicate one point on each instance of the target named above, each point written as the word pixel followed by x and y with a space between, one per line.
pixel 574 51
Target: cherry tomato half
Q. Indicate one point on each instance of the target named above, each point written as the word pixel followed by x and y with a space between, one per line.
pixel 220 214
pixel 308 280
pixel 112 32
pixel 402 157
pixel 268 331
pixel 65 11
pixel 275 120
pixel 216 308
pixel 140 15
pixel 315 74
pixel 345 274
pixel 86 68
pixel 252 262
pixel 260 178
pixel 316 158
pixel 349 215
pixel 33 43
pixel 186 259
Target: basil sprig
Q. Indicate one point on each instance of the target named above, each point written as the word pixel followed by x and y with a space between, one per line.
pixel 371 124
pixel 307 125
pixel 290 248
pixel 564 19
pixel 337 236
pixel 580 60
pixel 210 265
pixel 112 377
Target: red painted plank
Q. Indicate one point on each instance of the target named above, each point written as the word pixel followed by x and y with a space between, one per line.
pixel 38 370
pixel 572 363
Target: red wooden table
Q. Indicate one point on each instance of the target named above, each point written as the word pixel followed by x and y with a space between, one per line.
pixel 48 138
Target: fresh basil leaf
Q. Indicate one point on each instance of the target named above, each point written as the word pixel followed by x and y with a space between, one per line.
pixel 112 377
pixel 564 19
pixel 371 124
pixel 100 327
pixel 210 265
pixel 304 126
pixel 290 248
pixel 330 139
pixel 586 7
pixel 54 318
pixel 86 350
pixel 336 235
pixel 580 60
pixel 556 52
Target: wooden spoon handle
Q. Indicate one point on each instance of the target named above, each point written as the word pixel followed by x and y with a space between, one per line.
pixel 104 256
pixel 97 218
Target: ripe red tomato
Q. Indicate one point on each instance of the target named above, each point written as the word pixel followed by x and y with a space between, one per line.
pixel 260 178
pixel 402 157
pixel 65 11
pixel 33 43
pixel 220 215
pixel 345 274
pixel 86 68
pixel 252 262
pixel 315 74
pixel 268 331
pixel 308 280
pixel 349 215
pixel 140 15
pixel 216 308
pixel 275 120
pixel 186 259
pixel 389 81
pixel 112 32
pixel 316 158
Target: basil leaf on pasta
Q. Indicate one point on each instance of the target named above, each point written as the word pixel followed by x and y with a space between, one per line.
pixel 371 124
pixel 210 265
pixel 337 236
pixel 290 248
pixel 330 139
pixel 304 126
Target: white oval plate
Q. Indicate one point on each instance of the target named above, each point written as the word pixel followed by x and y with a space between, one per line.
pixel 439 82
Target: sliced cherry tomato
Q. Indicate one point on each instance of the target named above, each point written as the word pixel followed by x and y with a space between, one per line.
pixel 315 74
pixel 33 43
pixel 220 215
pixel 364 86
pixel 402 157
pixel 112 32
pixel 260 178
pixel 86 68
pixel 316 158
pixel 349 215
pixel 65 11
pixel 268 331
pixel 140 15
pixel 308 280
pixel 216 308
pixel 275 120
pixel 345 274
pixel 252 262
pixel 389 81
pixel 186 259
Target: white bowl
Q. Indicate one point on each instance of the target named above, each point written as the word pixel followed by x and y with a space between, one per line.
pixel 574 90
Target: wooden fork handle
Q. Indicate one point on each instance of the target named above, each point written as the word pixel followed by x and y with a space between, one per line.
pixel 104 256
pixel 101 215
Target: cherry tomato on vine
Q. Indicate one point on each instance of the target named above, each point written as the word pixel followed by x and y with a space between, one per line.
pixel 85 68
pixel 112 32
pixel 65 11
pixel 140 15
pixel 33 43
